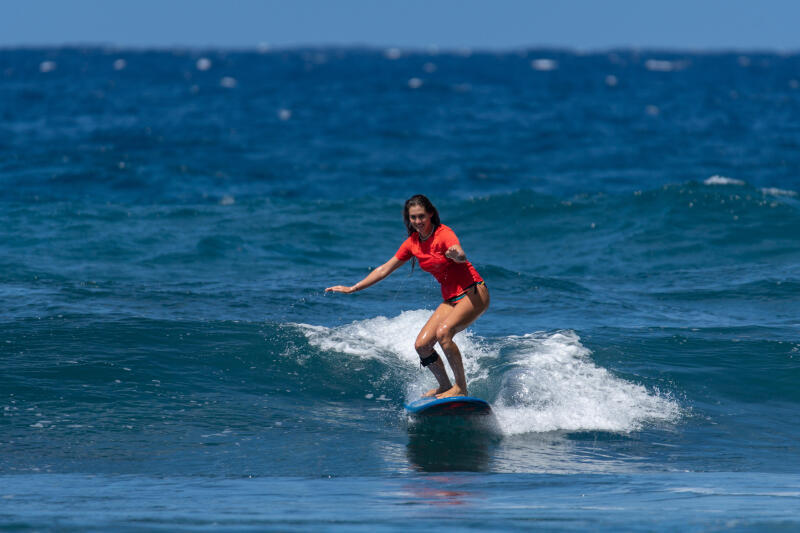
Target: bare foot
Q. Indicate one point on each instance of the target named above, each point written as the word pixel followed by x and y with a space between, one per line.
pixel 434 392
pixel 455 390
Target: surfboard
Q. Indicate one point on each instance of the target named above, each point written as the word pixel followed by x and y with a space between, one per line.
pixel 453 406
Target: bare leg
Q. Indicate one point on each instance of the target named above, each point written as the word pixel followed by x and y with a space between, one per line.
pixel 440 373
pixel 456 363
pixel 446 321
pixel 464 313
pixel 424 346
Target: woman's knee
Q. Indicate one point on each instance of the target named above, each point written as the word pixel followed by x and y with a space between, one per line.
pixel 424 345
pixel 444 336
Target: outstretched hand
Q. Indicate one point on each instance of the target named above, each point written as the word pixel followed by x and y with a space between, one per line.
pixel 456 254
pixel 340 288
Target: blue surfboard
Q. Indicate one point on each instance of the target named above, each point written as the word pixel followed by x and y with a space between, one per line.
pixel 453 406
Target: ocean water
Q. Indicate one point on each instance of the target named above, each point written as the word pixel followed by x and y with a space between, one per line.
pixel 169 221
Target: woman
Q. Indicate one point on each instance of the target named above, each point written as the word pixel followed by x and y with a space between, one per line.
pixel 465 295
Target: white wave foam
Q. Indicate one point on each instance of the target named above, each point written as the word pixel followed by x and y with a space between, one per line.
pixel 554 385
pixel 548 382
pixel 228 82
pixel 722 180
pixel 772 191
pixel 391 340
pixel 661 65
pixel 544 65
pixel 392 53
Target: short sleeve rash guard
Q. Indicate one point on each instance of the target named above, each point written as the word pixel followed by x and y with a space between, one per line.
pixel 454 277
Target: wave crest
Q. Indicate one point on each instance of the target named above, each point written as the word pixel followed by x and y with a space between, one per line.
pixel 538 382
pixel 552 384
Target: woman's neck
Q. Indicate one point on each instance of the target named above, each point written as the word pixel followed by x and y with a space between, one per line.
pixel 428 236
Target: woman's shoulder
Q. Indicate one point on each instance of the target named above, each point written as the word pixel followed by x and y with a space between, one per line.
pixel 444 229
pixel 411 239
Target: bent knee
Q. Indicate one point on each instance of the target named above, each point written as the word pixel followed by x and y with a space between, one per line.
pixel 444 335
pixel 424 347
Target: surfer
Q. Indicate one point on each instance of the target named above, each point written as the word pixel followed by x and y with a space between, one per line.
pixel 465 295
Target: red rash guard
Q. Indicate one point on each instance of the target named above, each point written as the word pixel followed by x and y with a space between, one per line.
pixel 454 277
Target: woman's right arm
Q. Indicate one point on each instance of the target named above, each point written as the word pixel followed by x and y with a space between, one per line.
pixel 372 278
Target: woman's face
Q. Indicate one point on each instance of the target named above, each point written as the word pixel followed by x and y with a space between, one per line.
pixel 420 219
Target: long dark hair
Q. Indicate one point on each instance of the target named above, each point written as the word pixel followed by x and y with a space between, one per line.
pixel 422 201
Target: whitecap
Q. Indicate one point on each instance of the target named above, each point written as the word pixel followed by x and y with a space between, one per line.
pixel 392 53
pixel 429 67
pixel 772 191
pixel 705 491
pixel 414 83
pixel 554 385
pixel 120 64
pixel 391 341
pixel 47 66
pixel 544 65
pixel 548 381
pixel 387 339
pixel 612 80
pixel 203 64
pixel 284 114
pixel 722 180
pixel 228 82
pixel 652 110
pixel 661 65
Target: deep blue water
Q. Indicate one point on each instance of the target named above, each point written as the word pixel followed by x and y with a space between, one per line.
pixel 169 220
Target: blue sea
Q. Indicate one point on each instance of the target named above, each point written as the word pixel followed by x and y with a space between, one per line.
pixel 169 220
